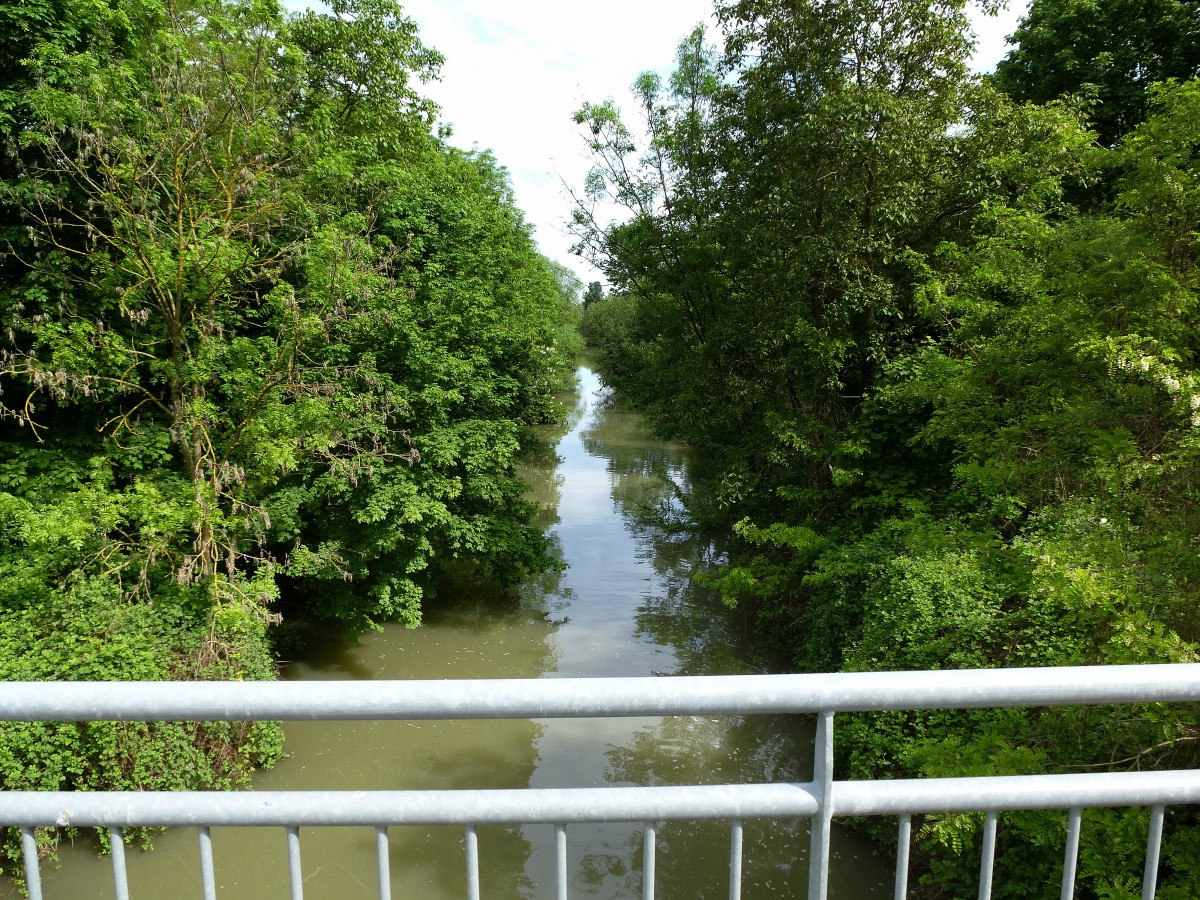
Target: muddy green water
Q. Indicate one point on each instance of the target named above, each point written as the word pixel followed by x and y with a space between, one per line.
pixel 625 606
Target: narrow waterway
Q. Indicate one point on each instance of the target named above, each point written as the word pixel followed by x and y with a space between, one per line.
pixel 624 606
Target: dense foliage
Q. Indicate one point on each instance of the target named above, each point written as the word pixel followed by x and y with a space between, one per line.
pixel 938 349
pixel 270 344
pixel 1110 52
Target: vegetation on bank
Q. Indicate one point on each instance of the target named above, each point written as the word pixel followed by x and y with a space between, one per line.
pixel 270 345
pixel 937 346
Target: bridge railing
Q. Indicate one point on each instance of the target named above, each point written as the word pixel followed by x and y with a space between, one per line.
pixel 820 799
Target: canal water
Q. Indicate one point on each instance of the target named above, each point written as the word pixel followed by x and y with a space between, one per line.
pixel 625 605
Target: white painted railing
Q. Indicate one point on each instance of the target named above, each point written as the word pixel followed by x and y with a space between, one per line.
pixel 820 799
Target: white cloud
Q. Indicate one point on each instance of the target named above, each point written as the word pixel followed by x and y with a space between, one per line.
pixel 515 73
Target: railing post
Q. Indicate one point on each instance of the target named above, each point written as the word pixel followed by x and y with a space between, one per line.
pixel 383 862
pixel 295 872
pixel 649 841
pixel 818 859
pixel 560 861
pixel 208 881
pixel 33 875
pixel 1070 855
pixel 735 860
pixel 988 858
pixel 116 848
pixel 472 863
pixel 903 843
pixel 1153 847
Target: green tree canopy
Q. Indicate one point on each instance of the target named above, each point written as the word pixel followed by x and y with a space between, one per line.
pixel 1111 51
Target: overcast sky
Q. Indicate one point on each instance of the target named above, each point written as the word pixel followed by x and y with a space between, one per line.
pixel 516 70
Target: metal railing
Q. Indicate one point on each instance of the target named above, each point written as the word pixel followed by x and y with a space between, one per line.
pixel 820 799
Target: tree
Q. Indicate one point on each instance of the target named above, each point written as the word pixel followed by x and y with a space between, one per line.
pixel 255 245
pixel 174 310
pixel 765 214
pixel 593 294
pixel 663 193
pixel 1111 51
pixel 459 340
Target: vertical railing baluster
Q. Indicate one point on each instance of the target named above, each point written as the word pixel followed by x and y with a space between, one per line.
pixel 33 874
pixel 648 844
pixel 560 857
pixel 295 874
pixel 208 881
pixel 735 860
pixel 989 856
pixel 116 844
pixel 1153 847
pixel 818 861
pixel 1070 855
pixel 383 863
pixel 472 863
pixel 903 840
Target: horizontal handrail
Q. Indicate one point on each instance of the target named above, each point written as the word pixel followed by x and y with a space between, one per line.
pixel 526 806
pixel 561 806
pixel 819 800
pixel 588 697
pixel 1007 793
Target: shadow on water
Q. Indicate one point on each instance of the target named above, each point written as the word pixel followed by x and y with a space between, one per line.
pixel 611 497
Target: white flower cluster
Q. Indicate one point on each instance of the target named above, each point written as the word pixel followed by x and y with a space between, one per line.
pixel 1180 386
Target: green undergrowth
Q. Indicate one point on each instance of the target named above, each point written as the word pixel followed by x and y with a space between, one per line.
pixel 93 634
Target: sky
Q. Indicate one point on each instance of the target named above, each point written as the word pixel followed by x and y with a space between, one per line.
pixel 517 70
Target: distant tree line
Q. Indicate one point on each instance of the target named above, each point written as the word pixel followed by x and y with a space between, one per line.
pixel 934 338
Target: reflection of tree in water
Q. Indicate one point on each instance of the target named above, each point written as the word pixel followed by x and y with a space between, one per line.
pixel 649 475
pixel 715 750
pixel 470 603
pixel 652 491
pixel 688 618
pixel 599 869
pixel 692 857
pixel 539 462
pixel 502 854
pixel 437 857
